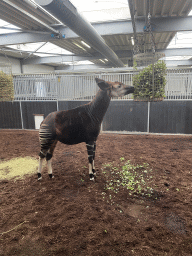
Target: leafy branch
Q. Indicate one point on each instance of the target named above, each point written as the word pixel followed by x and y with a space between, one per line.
pixel 143 82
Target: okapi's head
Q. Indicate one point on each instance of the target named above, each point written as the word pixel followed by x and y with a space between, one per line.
pixel 115 89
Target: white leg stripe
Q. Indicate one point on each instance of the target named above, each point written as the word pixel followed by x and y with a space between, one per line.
pixel 49 167
pixel 90 145
pixel 40 164
pixel 93 164
pixel 90 168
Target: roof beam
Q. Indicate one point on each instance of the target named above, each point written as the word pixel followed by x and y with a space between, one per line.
pixel 80 67
pixel 24 37
pixel 66 12
pixel 121 54
pixel 177 52
pixel 97 68
pixel 56 59
pixel 167 24
pixel 106 28
pixel 132 12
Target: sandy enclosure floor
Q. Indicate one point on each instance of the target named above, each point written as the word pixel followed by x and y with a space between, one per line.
pixel 70 215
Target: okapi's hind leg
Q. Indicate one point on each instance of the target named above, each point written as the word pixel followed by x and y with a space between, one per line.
pixel 91 146
pixel 49 157
pixel 48 153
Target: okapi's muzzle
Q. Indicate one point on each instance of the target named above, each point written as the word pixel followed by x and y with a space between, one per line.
pixel 129 89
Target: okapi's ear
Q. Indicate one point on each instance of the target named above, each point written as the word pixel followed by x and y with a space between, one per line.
pixel 102 84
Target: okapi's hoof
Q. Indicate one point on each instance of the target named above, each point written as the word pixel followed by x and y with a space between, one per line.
pixel 39 176
pixel 51 176
pixel 91 176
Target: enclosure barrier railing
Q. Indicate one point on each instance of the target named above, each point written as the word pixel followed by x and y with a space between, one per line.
pixel 83 87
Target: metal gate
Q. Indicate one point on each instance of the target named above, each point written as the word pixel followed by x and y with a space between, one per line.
pixel 83 86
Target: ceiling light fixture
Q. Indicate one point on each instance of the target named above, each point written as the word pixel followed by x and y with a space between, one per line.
pixel 132 41
pixel 31 3
pixel 85 44
pixel 80 46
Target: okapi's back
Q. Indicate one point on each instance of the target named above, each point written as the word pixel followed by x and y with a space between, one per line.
pixel 75 126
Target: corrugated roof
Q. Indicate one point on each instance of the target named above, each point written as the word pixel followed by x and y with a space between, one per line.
pixel 160 8
pixel 25 16
pixel 33 18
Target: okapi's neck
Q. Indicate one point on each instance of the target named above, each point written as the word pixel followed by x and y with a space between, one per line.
pixel 99 105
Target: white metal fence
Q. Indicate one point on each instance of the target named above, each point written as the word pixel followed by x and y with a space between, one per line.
pixel 179 84
pixel 83 87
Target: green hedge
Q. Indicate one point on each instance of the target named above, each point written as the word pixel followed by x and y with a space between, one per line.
pixel 143 82
pixel 6 87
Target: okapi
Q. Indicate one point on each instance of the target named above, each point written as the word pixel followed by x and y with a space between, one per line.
pixel 81 124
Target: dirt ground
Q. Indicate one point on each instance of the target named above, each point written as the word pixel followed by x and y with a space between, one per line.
pixel 71 215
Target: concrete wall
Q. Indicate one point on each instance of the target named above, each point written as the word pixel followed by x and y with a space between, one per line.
pixel 32 69
pixel 17 69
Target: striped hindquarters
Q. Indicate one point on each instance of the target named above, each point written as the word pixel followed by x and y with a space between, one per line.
pixel 46 137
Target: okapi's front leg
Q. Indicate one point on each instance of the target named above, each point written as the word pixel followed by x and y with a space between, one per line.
pixel 91 155
pixel 93 167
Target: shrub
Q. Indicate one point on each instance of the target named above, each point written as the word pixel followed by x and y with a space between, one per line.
pixel 143 82
pixel 6 87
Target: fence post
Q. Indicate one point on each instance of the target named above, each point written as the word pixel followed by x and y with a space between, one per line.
pixel 57 105
pixel 148 116
pixel 21 112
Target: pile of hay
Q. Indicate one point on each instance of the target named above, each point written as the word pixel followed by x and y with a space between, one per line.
pixel 17 168
pixel 6 87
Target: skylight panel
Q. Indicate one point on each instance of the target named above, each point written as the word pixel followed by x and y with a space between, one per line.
pixel 93 5
pixel 6 27
pixel 177 58
pixel 83 62
pixel 46 50
pixel 76 63
pixel 53 49
pixel 103 10
pixel 181 40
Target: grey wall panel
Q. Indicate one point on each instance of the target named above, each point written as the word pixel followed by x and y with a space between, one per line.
pixel 10 117
pixel 165 116
pixel 63 105
pixel 126 116
pixel 29 109
pixel 171 117
pixel 188 118
pixel 75 104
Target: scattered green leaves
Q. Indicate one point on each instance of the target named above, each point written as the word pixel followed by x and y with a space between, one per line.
pixel 135 178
